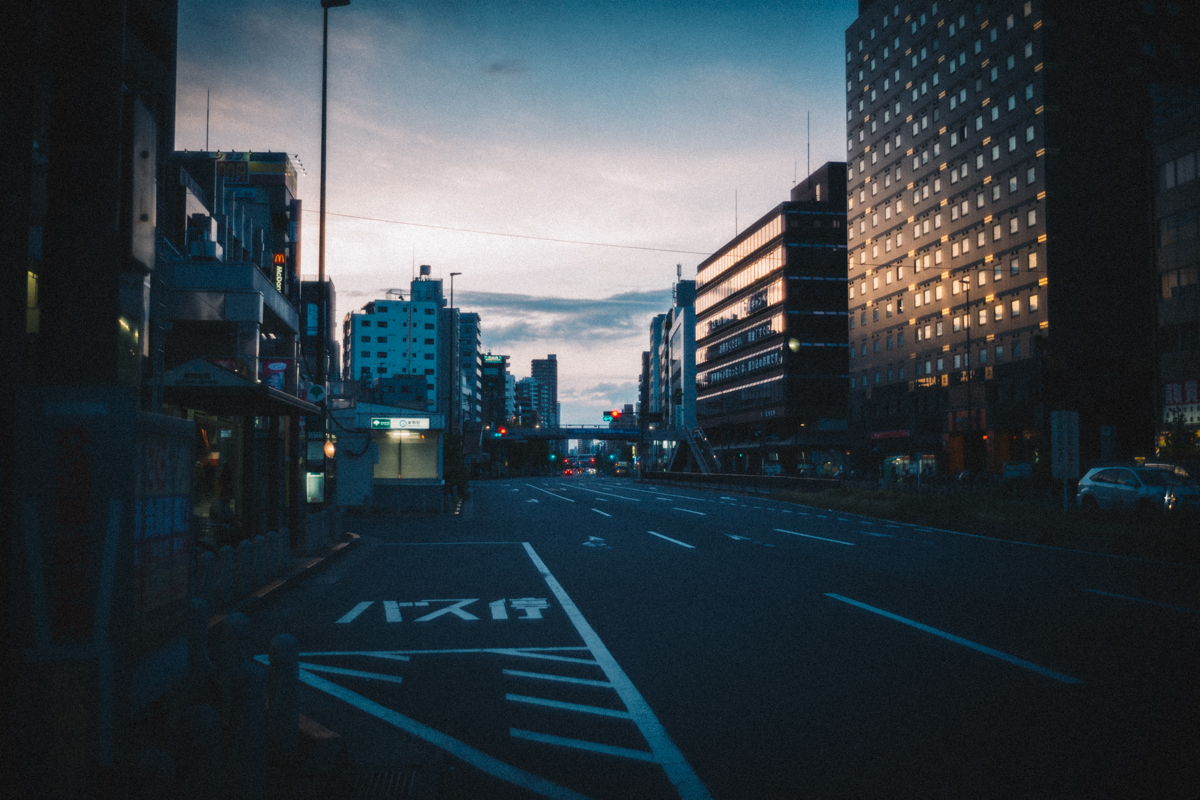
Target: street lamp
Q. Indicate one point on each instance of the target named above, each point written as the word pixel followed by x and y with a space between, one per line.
pixel 321 303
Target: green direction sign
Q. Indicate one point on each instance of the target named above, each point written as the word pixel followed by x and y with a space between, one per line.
pixel 381 422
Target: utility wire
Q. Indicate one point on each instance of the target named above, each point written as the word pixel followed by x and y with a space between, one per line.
pixel 510 235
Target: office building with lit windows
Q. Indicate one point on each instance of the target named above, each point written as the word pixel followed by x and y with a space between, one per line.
pixel 999 225
pixel 770 342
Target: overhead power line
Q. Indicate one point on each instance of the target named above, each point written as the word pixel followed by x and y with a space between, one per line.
pixel 511 235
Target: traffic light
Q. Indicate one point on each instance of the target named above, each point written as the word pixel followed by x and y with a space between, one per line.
pixel 503 431
pixel 608 416
pixel 616 414
pixel 553 457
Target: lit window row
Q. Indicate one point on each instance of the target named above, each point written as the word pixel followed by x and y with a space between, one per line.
pixel 759 269
pixel 759 301
pixel 710 272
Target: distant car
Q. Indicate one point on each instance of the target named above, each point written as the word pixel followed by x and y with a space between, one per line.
pixel 1137 489
pixel 621 469
pixel 591 470
pixel 568 472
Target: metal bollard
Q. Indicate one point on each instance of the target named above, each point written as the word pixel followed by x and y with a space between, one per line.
pixel 199 749
pixel 245 555
pixel 248 732
pixel 260 560
pixel 272 555
pixel 283 683
pixel 225 576
pixel 206 577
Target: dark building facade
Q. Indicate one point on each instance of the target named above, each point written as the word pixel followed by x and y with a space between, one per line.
pixel 545 372
pixel 495 380
pixel 1176 143
pixel 995 274
pixel 771 350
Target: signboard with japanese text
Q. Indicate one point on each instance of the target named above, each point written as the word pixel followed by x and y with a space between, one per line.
pixel 399 423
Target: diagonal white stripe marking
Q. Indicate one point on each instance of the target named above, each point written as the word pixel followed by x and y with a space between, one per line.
pixel 456 748
pixel 541 701
pixel 687 784
pixel 598 511
pixel 579 744
pixel 1020 662
pixel 516 673
pixel 669 539
pixel 688 510
pixel 552 494
pixel 354 673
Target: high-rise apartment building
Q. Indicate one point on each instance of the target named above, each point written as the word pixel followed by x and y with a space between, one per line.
pixel 399 336
pixel 999 230
pixel 770 342
pixel 471 365
pixel 545 371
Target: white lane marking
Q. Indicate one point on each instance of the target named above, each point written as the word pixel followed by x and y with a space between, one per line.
pixel 810 536
pixel 1020 662
pixel 598 511
pixel 354 612
pixel 663 499
pixel 821 516
pixel 667 494
pixel 1140 600
pixel 583 709
pixel 462 750
pixel 498 609
pixel 802 513
pixel 688 510
pixel 392 610
pixel 872 533
pixel 533 500
pixel 669 539
pixel 786 511
pixel 610 494
pixel 552 494
pixel 679 772
pixel 579 744
pixel 722 497
pixel 354 673
pixel 524 654
pixel 371 653
pixel 516 673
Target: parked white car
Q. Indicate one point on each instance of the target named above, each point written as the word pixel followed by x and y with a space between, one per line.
pixel 1137 489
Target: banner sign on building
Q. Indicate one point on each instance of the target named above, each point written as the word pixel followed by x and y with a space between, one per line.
pixel 399 423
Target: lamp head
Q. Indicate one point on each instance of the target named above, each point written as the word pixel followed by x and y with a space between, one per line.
pixel 334 3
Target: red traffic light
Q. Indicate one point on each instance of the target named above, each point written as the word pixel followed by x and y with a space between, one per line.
pixel 503 431
pixel 616 414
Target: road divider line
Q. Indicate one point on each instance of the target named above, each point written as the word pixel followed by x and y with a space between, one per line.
pixel 810 536
pixel 552 494
pixel 669 539
pixel 601 513
pixel 516 673
pixel 1148 602
pixel 884 535
pixel 689 511
pixel 353 613
pixel 546 656
pixel 461 750
pixel 580 744
pixel 1020 662
pixel 610 494
pixel 559 704
pixel 664 752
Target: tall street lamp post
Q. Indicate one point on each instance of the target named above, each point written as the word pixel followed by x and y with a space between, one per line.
pixel 322 303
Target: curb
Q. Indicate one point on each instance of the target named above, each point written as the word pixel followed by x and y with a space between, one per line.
pixel 262 594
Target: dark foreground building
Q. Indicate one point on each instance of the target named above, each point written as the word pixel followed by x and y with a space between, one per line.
pixel 1000 224
pixel 771 335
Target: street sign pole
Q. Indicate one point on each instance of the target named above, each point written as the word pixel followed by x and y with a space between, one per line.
pixel 1064 446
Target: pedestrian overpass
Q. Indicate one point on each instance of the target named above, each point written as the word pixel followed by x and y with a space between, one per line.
pixel 587 432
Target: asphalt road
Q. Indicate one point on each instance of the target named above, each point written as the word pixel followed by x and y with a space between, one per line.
pixel 603 638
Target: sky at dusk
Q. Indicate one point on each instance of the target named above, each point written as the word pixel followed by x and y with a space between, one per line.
pixel 629 124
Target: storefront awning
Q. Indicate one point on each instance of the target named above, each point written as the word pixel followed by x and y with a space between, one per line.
pixel 202 385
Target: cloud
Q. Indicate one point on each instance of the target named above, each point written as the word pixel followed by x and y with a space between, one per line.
pixel 507 67
pixel 509 319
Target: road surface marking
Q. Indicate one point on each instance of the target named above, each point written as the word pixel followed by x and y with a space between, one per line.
pixel 595 747
pixel 810 536
pixel 687 784
pixel 516 673
pixel 610 494
pixel 598 511
pixel 667 494
pixel 552 494
pixel 354 612
pixel 669 539
pixel 1140 600
pixel 533 500
pixel 547 656
pixel 1020 662
pixel 539 701
pixel 462 750
pixel 456 609
pixel 498 609
pixel 872 533
pixel 786 511
pixel 354 673
pixel 392 609
pixel 371 653
pixel 689 511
